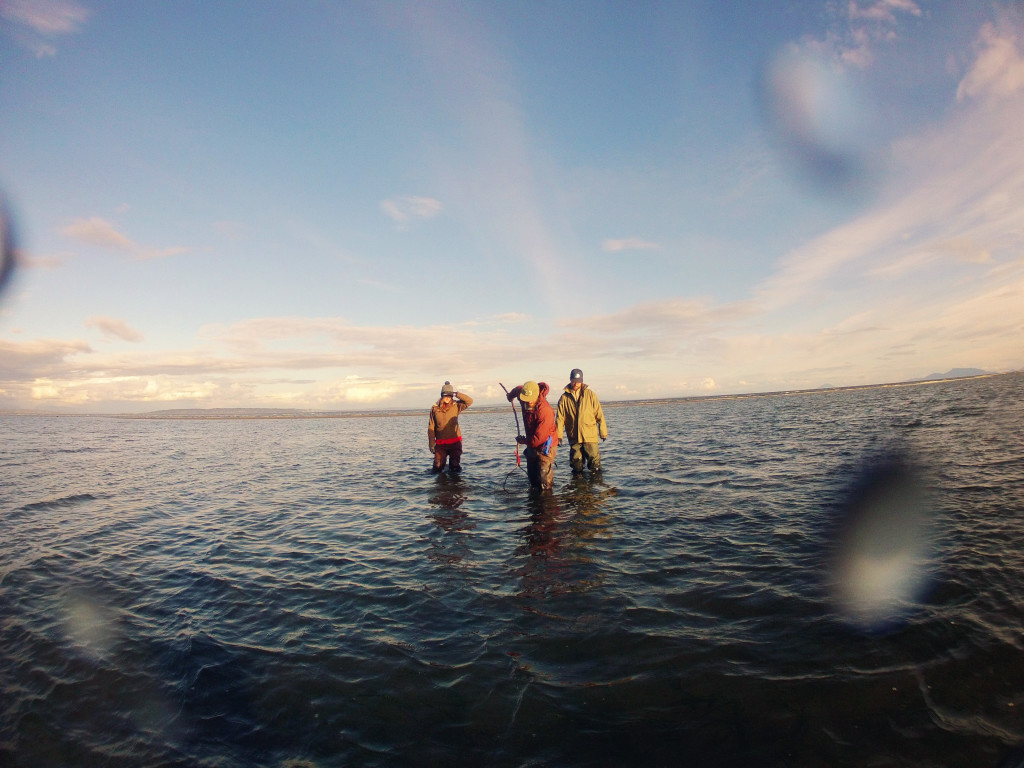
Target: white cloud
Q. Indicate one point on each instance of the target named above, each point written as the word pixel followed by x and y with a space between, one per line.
pixel 403 210
pixel 882 10
pixel 930 278
pixel 355 389
pixel 998 71
pixel 505 190
pixel 92 391
pixel 48 17
pixel 39 357
pixel 100 232
pixel 96 231
pixel 113 328
pixel 948 214
pixel 43 20
pixel 656 321
pixel 50 261
pixel 859 28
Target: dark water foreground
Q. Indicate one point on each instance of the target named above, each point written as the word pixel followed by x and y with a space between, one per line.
pixel 304 593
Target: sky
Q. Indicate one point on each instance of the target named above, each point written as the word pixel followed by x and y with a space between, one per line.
pixel 341 205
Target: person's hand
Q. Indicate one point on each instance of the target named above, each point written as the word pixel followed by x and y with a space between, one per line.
pixel 520 439
pixel 431 449
pixel 603 439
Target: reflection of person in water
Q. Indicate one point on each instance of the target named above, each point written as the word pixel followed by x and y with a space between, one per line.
pixel 443 434
pixel 555 545
pixel 449 544
pixel 545 570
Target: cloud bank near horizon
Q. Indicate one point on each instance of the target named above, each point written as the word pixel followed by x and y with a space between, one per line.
pixel 929 277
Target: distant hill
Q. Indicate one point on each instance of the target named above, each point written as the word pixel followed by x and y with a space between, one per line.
pixel 955 373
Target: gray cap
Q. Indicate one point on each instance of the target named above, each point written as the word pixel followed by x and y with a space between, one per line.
pixel 447 390
pixel 575 375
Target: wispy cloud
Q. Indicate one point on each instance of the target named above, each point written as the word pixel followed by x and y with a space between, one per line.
pixel 41 22
pixel 404 210
pixel 937 262
pixel 96 231
pixel 100 232
pixel 24 361
pixel 930 277
pixel 114 328
pixel 629 244
pixel 818 110
pixel 655 321
pixel 859 28
pixel 43 261
pixel 496 180
pixel 882 10
pixel 998 70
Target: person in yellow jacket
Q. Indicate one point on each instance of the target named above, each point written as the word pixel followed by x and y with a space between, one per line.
pixel 580 415
pixel 443 434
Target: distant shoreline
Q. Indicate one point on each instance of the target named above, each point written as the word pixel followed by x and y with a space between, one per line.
pixel 271 414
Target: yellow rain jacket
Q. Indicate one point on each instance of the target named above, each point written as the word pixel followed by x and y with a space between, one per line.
pixel 580 415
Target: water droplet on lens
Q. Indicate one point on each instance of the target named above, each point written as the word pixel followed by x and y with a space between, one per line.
pixel 90 625
pixel 884 549
pixel 820 121
pixel 7 256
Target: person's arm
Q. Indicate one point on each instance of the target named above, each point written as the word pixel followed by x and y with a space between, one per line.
pixel 545 426
pixel 464 401
pixel 560 418
pixel 602 425
pixel 513 397
pixel 430 431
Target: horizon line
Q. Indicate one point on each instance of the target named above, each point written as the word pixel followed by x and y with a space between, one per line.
pixel 270 412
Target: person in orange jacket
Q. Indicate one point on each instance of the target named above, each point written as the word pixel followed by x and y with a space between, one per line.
pixel 443 433
pixel 541 440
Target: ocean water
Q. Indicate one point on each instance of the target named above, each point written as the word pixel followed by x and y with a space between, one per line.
pixel 820 579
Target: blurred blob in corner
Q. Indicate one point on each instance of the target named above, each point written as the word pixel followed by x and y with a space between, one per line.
pixel 7 242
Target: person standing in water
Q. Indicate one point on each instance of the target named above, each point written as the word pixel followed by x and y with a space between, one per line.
pixel 443 434
pixel 541 440
pixel 580 415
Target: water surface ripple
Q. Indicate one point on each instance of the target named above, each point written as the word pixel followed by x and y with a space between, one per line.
pixel 305 593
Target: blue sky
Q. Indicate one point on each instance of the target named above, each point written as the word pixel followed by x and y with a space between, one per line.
pixel 338 205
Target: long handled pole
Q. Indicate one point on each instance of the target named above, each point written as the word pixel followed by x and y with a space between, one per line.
pixel 519 433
